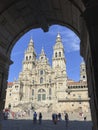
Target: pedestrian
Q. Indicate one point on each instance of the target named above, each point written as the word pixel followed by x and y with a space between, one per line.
pixel 55 118
pixel 66 119
pixel 40 118
pixel 59 116
pixel 84 118
pixel 35 117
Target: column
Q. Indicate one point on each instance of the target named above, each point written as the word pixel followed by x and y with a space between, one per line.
pixel 90 16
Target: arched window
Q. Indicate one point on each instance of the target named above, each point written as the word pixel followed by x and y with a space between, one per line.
pixel 29 57
pixel 56 54
pixel 83 76
pixel 26 57
pixel 41 72
pixel 41 95
pixel 41 80
pixel 9 106
pixel 59 54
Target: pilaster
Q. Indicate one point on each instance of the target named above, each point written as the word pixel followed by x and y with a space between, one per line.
pixel 4 69
pixel 90 16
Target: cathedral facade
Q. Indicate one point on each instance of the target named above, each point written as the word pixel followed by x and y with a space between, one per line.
pixel 43 87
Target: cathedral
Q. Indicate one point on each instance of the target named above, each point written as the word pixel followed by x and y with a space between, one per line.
pixel 44 87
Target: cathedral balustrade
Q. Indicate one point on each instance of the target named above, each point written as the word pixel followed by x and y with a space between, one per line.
pixel 73 100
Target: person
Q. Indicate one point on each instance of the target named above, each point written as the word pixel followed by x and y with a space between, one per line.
pixel 34 117
pixel 66 119
pixel 40 118
pixel 84 118
pixel 59 116
pixel 54 118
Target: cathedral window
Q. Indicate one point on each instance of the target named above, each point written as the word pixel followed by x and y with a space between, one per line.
pixel 49 80
pixel 83 77
pixel 41 80
pixel 41 57
pixel 32 92
pixel 79 97
pixel 33 82
pixel 41 72
pixel 59 54
pixel 26 57
pixel 29 57
pixel 41 95
pixel 16 87
pixel 56 54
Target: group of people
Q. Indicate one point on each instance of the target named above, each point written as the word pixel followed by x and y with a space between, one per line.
pixel 56 117
pixel 35 117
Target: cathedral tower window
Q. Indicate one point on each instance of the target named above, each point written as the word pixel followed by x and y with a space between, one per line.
pixel 59 54
pixel 83 76
pixel 56 54
pixel 26 57
pixel 41 80
pixel 41 57
pixel 29 57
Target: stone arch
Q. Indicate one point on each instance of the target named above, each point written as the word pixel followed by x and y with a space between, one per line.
pixel 18 17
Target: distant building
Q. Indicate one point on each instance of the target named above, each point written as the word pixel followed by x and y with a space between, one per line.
pixel 47 88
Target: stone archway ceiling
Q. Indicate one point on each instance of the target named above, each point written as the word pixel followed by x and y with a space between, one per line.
pixel 18 17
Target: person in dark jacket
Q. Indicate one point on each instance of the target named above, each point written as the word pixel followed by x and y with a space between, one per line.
pixel 40 118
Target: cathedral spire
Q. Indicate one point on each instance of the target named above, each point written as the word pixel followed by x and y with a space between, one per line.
pixel 58 38
pixel 42 52
pixel 43 57
pixel 31 43
pixel 58 43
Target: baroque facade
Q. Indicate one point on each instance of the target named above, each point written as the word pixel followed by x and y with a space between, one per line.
pixel 43 87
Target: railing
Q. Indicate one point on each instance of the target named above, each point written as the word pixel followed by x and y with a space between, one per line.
pixel 73 100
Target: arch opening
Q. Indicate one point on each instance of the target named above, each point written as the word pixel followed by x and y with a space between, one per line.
pixel 58 35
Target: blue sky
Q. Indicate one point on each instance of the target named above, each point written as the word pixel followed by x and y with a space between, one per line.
pixel 47 40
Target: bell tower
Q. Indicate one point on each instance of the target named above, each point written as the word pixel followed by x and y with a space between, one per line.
pixel 58 59
pixel 83 76
pixel 29 56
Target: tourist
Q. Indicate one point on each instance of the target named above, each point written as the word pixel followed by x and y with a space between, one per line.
pixel 66 119
pixel 85 118
pixel 59 116
pixel 35 117
pixel 54 118
pixel 40 118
